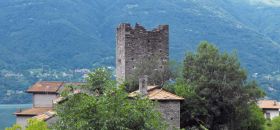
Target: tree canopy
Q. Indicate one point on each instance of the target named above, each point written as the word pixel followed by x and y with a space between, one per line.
pixel 216 90
pixel 111 110
pixel 97 80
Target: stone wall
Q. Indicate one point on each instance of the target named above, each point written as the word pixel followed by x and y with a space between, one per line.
pixel 170 112
pixel 135 44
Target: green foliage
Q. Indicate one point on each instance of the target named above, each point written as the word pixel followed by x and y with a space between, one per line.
pixel 268 125
pixel 255 119
pixel 68 89
pixel 274 124
pixel 111 110
pixel 70 41
pixel 14 127
pixel 97 79
pixel 216 90
pixel 34 124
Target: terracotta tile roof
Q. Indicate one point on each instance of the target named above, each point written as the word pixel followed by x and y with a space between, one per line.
pixel 48 86
pixel 33 111
pixel 269 104
pixel 46 115
pixel 157 93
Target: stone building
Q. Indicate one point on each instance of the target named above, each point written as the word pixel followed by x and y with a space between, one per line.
pixel 168 103
pixel 133 45
pixel 270 108
pixel 45 93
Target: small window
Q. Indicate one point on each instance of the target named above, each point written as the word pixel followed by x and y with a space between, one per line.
pixel 171 118
pixel 132 59
pixel 160 50
pixel 119 60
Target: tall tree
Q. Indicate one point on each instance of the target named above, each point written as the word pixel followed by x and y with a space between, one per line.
pixel 222 93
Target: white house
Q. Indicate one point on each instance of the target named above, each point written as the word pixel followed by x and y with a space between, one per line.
pixel 270 108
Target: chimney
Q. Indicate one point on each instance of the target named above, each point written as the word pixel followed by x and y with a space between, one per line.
pixel 143 84
pixel 275 103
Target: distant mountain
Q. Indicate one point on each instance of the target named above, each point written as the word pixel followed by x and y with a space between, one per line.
pixel 77 34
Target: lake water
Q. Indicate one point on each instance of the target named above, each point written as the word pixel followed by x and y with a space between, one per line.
pixel 7 118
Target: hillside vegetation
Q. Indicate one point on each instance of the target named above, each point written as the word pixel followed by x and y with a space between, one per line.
pixel 61 36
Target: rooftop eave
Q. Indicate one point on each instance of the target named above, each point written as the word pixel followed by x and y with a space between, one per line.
pixel 167 99
pixel 20 114
pixel 41 92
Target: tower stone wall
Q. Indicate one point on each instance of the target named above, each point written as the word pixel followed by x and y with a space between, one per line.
pixel 135 44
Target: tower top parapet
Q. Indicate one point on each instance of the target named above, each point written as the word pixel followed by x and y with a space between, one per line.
pixel 128 27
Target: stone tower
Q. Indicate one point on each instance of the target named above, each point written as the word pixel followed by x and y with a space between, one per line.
pixel 135 44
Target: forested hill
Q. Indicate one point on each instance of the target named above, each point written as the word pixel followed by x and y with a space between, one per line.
pixel 70 34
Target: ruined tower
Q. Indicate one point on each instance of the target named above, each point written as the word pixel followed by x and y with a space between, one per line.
pixel 133 45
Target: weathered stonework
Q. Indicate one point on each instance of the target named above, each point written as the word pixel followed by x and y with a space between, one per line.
pixel 135 44
pixel 170 111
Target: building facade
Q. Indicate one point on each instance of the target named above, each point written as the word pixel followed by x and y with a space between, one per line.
pixel 45 94
pixel 134 45
pixel 270 108
pixel 168 104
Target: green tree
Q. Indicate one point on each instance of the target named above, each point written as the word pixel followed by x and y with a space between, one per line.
pixel 274 124
pixel 14 127
pixel 255 120
pixel 34 124
pixel 97 79
pixel 111 110
pixel 222 94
